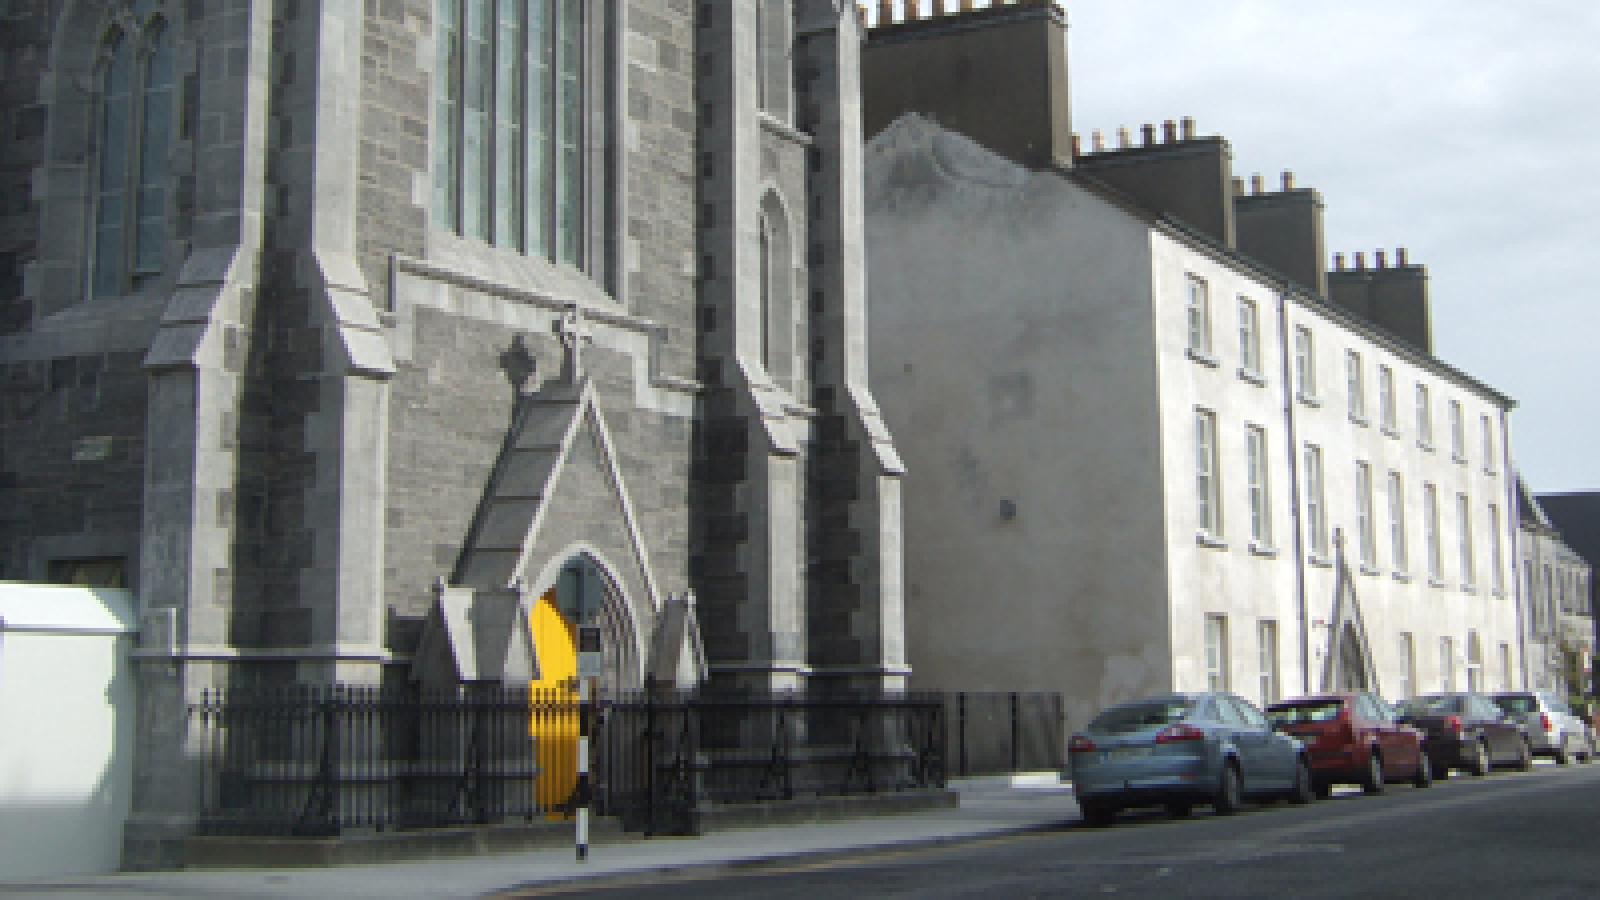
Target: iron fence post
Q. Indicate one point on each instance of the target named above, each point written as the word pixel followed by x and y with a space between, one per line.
pixel 1016 749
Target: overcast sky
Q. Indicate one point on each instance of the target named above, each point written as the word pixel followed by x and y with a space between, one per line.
pixel 1467 131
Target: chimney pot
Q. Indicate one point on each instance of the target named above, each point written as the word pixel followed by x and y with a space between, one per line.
pixel 1169 131
pixel 885 12
pixel 1361 261
pixel 1188 127
pixel 1124 140
pixel 1288 180
pixel 1148 133
pixel 1257 186
pixel 1238 186
pixel 966 6
pixel 1077 146
pixel 1338 262
pixel 1097 141
pixel 1400 257
pixel 1381 259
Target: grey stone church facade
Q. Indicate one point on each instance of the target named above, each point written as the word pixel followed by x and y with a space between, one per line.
pixel 344 331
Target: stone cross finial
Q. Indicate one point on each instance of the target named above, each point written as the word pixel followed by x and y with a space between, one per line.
pixel 574 333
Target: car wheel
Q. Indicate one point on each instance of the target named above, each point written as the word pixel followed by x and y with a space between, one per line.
pixel 1524 757
pixel 1324 789
pixel 1303 792
pixel 1372 782
pixel 1441 769
pixel 1097 813
pixel 1478 762
pixel 1179 809
pixel 1562 755
pixel 1227 800
pixel 1424 776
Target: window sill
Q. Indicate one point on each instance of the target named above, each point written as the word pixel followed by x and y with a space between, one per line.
pixel 1490 471
pixel 1210 541
pixel 1469 589
pixel 1426 446
pixel 1255 378
pixel 1202 357
pixel 1361 420
pixel 1308 399
pixel 1458 459
pixel 784 130
pixel 1320 561
pixel 1369 570
pixel 1402 577
pixel 1266 551
pixel 1389 431
pixel 1438 583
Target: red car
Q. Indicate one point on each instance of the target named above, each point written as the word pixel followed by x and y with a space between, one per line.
pixel 1353 738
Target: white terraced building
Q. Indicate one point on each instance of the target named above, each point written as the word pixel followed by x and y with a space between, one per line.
pixel 1151 443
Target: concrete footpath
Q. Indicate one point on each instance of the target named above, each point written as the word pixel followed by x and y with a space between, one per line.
pixel 989 806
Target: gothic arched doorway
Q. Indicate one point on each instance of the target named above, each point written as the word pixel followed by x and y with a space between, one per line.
pixel 580 594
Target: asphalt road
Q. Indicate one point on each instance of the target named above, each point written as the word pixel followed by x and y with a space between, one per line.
pixel 1508 835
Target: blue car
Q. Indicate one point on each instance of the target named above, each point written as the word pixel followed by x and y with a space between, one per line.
pixel 1179 750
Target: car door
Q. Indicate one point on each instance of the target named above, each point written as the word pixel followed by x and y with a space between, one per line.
pixel 1267 764
pixel 1502 730
pixel 1395 746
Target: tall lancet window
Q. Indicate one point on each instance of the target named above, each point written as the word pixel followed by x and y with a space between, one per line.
pixel 132 173
pixel 522 126
pixel 775 294
pixel 765 319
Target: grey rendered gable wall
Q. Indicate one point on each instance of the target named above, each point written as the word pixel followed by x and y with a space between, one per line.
pixel 1012 352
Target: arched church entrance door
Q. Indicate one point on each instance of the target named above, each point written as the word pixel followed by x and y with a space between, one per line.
pixel 582 595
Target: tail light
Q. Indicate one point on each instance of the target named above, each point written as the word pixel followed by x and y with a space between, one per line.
pixel 1544 722
pixel 1454 724
pixel 1080 744
pixel 1173 734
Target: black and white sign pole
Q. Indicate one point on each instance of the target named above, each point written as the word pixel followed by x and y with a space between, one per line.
pixel 588 671
pixel 583 768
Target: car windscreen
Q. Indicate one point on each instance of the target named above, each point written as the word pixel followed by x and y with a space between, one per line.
pixel 1431 706
pixel 1138 716
pixel 1517 704
pixel 1303 713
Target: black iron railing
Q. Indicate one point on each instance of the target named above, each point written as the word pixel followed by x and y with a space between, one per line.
pixel 665 756
pixel 992 733
pixel 326 760
pixel 321 760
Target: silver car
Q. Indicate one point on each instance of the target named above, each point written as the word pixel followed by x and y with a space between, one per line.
pixel 1551 727
pixel 1180 750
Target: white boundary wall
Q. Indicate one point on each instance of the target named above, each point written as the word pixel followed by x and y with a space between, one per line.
pixel 66 728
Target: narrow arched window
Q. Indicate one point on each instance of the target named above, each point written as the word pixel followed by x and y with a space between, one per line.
pixel 765 319
pixel 132 173
pixel 522 113
pixel 111 195
pixel 155 153
pixel 774 294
